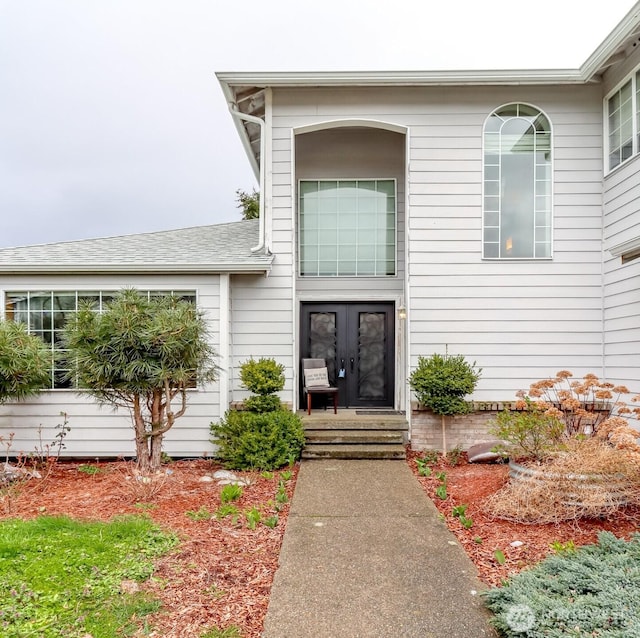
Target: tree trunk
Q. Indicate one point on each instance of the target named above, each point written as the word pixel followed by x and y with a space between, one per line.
pixel 142 449
pixel 444 436
pixel 155 441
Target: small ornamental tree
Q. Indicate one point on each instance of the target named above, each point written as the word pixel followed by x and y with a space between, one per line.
pixel 440 383
pixel 25 362
pixel 141 354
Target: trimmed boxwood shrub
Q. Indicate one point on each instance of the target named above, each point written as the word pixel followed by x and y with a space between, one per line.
pixel 593 591
pixel 264 436
pixel 263 376
pixel 258 441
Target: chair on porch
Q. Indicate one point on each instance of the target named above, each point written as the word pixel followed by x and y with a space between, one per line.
pixel 316 381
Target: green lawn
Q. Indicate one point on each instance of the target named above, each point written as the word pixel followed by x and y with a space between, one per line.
pixel 62 578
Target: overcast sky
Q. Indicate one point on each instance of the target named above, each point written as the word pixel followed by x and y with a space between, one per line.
pixel 112 121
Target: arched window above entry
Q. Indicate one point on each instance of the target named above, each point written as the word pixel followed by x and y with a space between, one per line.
pixel 517 184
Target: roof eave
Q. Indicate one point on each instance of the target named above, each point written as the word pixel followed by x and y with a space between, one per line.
pixel 397 78
pixel 166 268
pixel 598 61
pixel 242 131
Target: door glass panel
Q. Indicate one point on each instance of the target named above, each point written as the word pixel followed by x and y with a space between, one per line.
pixel 322 340
pixel 371 349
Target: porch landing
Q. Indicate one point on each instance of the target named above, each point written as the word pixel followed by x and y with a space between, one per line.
pixel 355 434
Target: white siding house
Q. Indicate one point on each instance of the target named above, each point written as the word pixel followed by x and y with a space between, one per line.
pixel 493 214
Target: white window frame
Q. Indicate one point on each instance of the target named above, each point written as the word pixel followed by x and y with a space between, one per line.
pixel 634 78
pixel 395 228
pixel 51 292
pixel 550 226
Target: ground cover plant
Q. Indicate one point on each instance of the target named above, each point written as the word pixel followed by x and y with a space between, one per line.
pixel 60 577
pixel 589 591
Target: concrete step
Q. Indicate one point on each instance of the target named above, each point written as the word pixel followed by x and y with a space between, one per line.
pixel 354 436
pixel 347 420
pixel 355 451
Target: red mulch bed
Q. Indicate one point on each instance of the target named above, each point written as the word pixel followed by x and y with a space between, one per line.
pixel 221 574
pixel 471 484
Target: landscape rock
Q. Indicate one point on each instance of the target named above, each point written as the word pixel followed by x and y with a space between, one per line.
pixel 224 477
pixel 482 453
pixel 9 473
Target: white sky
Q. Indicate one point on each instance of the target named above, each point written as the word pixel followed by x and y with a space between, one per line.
pixel 112 121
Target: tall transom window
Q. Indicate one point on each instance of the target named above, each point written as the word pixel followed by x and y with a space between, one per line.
pixel 347 228
pixel 517 184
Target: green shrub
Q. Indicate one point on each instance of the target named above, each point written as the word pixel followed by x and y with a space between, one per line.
pixel 440 383
pixel 25 362
pixel 263 403
pixel 594 591
pixel 258 441
pixel 529 433
pixel 263 376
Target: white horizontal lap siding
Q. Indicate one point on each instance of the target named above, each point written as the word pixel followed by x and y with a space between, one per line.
pixel 481 308
pixel 261 311
pixel 99 431
pixel 520 321
pixel 622 282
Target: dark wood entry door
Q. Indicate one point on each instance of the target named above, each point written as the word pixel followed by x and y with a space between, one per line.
pixel 357 341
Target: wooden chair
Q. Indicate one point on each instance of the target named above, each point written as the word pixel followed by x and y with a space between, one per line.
pixel 316 381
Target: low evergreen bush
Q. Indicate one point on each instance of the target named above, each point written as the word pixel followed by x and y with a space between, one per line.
pixel 263 403
pixel 263 376
pixel 258 441
pixel 594 591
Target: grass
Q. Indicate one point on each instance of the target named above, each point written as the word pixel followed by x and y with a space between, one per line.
pixel 62 578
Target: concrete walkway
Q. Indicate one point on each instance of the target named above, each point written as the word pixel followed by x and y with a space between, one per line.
pixel 366 555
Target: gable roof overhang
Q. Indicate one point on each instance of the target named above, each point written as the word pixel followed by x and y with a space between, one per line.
pixel 245 91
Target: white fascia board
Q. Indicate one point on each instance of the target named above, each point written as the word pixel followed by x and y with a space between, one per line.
pixel 598 59
pixel 178 269
pixel 229 97
pixel 399 78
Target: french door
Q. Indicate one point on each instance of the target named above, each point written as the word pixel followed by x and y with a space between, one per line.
pixel 357 342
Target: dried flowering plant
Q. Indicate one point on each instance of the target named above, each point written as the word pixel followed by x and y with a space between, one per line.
pixel 556 411
pixel 578 430
pixel 584 406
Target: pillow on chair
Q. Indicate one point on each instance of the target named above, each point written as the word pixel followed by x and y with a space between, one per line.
pixel 316 378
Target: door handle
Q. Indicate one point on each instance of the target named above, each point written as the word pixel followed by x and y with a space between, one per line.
pixel 351 362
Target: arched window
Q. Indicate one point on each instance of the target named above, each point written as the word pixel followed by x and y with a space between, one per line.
pixel 517 184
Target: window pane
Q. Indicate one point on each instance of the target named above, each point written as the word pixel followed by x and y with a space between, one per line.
pixel 620 124
pixel 45 314
pixel 519 153
pixel 356 219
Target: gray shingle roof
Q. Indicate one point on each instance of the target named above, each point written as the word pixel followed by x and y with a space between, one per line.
pixel 215 248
